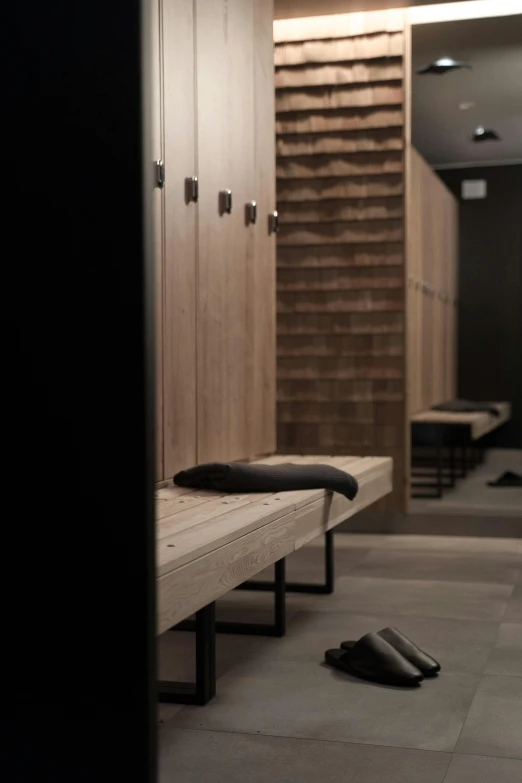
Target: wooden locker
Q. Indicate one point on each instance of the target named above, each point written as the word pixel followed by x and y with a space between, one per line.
pixel 262 281
pixel 225 132
pixel 180 216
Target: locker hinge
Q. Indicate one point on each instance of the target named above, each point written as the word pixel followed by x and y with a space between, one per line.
pixel 160 173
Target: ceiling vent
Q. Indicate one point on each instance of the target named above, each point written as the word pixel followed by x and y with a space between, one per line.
pixel 481 134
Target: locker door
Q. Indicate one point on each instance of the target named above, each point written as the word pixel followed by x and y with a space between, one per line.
pixel 225 125
pixel 262 287
pixel 179 364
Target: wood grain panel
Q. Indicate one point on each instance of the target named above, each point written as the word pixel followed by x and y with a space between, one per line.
pixel 361 164
pixel 296 191
pixel 340 256
pixel 335 391
pixel 339 211
pixel 348 278
pixel 179 395
pixel 329 438
pixel 341 367
pixel 339 233
pixel 352 141
pixel 363 47
pixel 338 97
pixel 356 413
pixel 340 120
pixel 342 73
pixel 348 301
pixel 341 345
pixel 391 322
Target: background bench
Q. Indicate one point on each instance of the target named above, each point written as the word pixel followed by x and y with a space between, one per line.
pixel 445 432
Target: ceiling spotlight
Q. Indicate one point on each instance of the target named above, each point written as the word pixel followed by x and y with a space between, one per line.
pixel 443 65
pixel 465 105
pixel 481 134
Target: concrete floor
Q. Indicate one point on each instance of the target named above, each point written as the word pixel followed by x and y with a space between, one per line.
pixel 472 496
pixel 281 716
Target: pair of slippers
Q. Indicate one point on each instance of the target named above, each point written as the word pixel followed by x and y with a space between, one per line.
pixel 387 657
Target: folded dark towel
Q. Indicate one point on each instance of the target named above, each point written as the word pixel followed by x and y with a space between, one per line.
pixel 466 406
pixel 242 477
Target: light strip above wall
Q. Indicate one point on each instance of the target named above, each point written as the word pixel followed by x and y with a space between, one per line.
pixel 470 9
pixel 338 25
pixel 366 22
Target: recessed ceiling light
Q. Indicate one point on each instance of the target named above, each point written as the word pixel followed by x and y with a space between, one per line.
pixel 481 134
pixel 465 105
pixel 443 65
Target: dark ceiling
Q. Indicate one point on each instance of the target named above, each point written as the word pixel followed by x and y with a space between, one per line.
pixel 447 108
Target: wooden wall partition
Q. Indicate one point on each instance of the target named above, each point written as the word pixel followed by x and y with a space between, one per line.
pixel 432 231
pixel 341 256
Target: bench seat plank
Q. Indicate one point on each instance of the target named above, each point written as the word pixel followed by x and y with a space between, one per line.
pixel 184 591
pixel 195 541
pixel 188 516
pixel 479 423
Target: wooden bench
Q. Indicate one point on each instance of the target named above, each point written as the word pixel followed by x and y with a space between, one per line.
pixel 210 543
pixel 446 431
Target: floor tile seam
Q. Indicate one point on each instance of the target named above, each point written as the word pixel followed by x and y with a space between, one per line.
pixel 449 582
pixel 314 739
pixel 415 616
pixel 480 678
pixel 510 597
pixel 486 756
pixel 480 554
pixel 443 581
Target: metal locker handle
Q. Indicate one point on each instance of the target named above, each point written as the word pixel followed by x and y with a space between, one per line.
pixel 226 201
pixel 273 222
pixel 192 189
pixel 252 212
pixel 160 173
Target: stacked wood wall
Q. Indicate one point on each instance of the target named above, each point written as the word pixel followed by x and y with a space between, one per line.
pixel 341 259
pixel 432 233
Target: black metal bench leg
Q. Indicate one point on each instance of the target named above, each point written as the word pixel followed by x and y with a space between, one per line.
pixel 325 588
pixel 453 475
pixel 440 482
pixel 277 628
pixel 464 458
pixel 204 689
